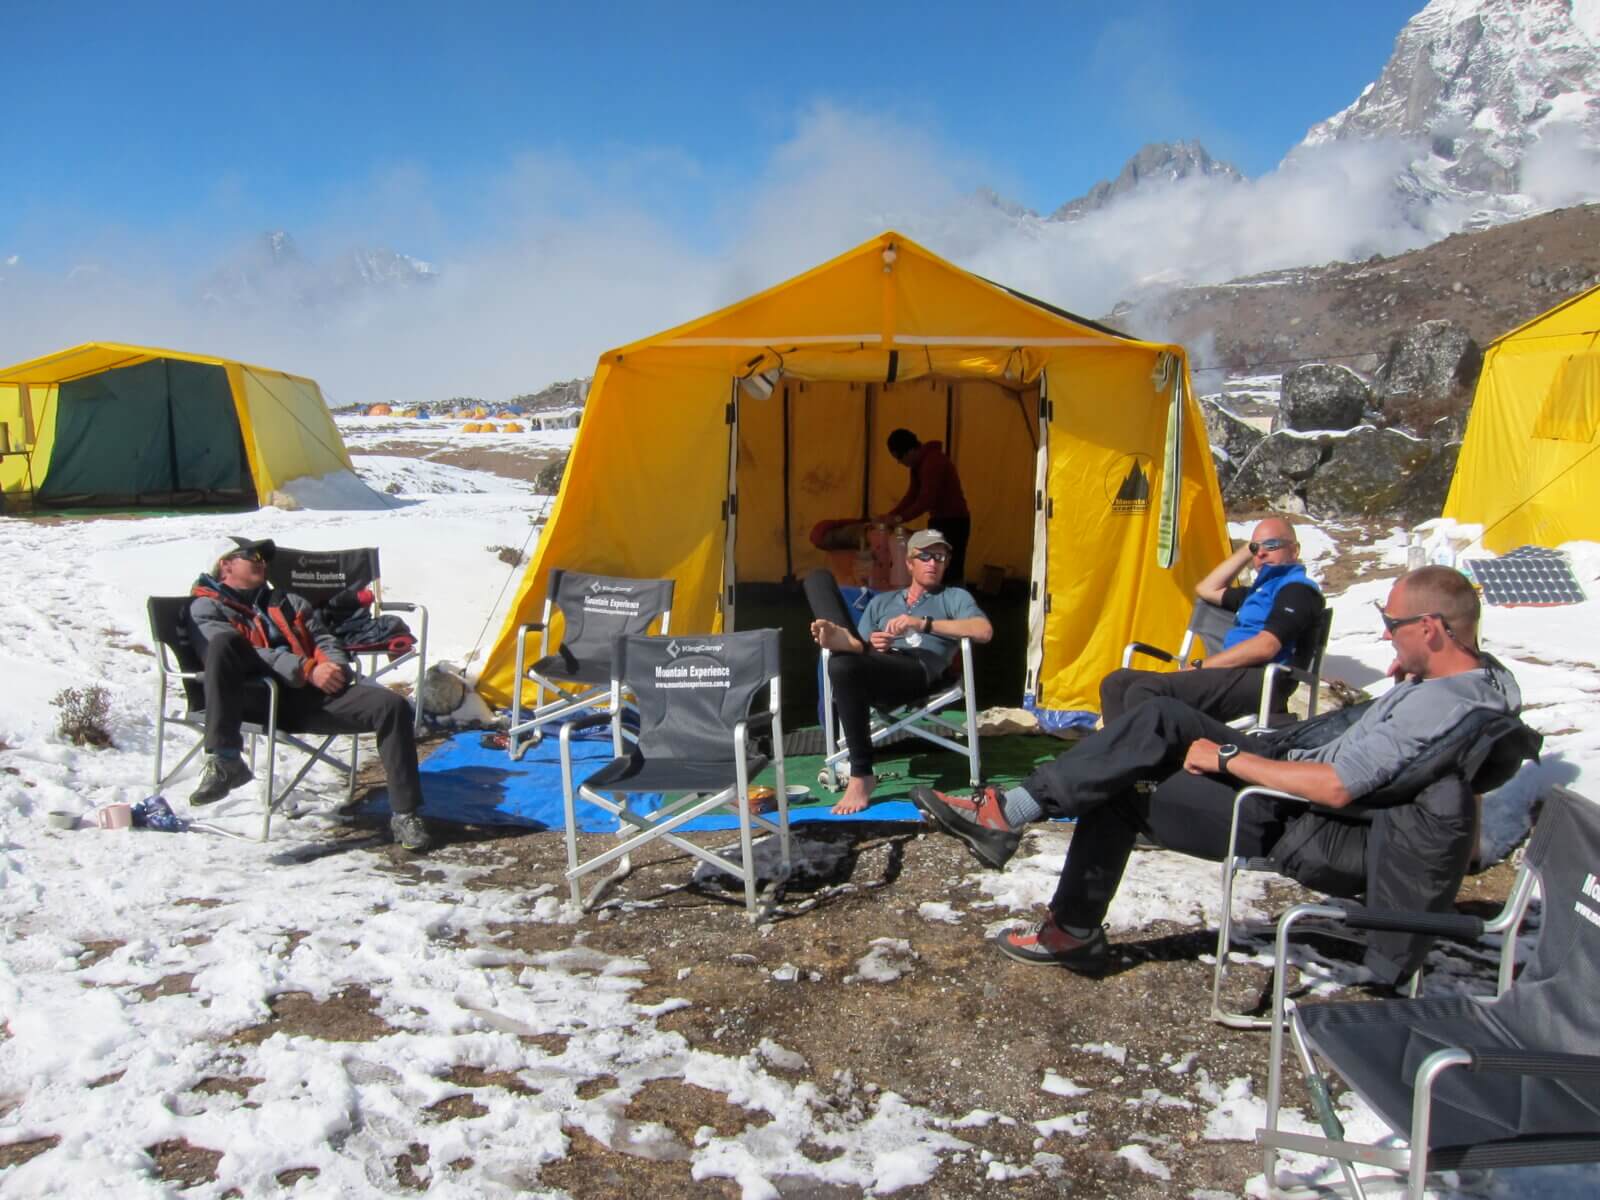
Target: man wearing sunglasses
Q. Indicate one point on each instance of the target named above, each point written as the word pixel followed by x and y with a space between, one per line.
pixel 1272 615
pixel 1165 770
pixel 902 648
pixel 244 628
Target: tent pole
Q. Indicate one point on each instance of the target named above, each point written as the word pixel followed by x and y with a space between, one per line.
pixel 788 523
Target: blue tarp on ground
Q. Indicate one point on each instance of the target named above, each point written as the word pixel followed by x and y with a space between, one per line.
pixel 470 784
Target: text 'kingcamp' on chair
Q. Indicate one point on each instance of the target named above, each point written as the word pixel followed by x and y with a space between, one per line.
pixel 595 611
pixel 1469 1083
pixel 924 718
pixel 1410 841
pixel 696 742
pixel 346 589
pixel 1209 625
pixel 176 659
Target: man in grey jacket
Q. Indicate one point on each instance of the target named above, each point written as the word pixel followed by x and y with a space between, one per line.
pixel 1197 764
pixel 243 629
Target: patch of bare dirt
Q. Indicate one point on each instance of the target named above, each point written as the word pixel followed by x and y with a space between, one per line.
pixel 294 1175
pixel 169 985
pixel 176 1161
pixel 477 1077
pixel 405 1168
pixel 14 1154
pixel 215 1085
pixel 345 1016
pixel 591 1169
pixel 93 952
pixel 508 464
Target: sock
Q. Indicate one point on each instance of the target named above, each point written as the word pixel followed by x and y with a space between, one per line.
pixel 1082 932
pixel 1020 808
pixel 225 752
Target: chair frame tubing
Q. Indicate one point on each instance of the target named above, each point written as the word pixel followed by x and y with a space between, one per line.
pixel 690 806
pixel 271 797
pixel 921 718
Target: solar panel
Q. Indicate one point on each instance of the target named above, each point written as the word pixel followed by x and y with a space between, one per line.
pixel 1526 575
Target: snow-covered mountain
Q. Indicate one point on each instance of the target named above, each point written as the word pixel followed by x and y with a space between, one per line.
pixel 274 265
pixel 1502 101
pixel 1156 164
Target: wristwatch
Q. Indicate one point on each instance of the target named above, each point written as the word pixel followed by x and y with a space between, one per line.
pixel 927 624
pixel 1225 755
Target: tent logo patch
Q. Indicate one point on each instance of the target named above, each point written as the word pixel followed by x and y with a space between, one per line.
pixel 1128 484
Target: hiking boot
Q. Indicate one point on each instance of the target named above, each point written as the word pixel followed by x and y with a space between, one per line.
pixel 410 832
pixel 1047 944
pixel 979 821
pixel 218 777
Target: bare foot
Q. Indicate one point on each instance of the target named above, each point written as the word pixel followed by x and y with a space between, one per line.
pixel 857 795
pixel 832 637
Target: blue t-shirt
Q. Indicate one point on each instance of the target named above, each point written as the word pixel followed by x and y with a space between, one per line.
pixel 944 604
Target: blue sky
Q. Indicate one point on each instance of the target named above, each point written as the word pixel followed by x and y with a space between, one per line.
pixel 190 123
pixel 584 176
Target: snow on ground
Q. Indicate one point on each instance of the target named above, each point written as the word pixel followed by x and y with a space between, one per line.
pixel 98 1054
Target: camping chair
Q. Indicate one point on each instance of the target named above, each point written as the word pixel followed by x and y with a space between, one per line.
pixel 1440 788
pixel 334 582
pixel 177 659
pixel 595 611
pixel 1209 624
pixel 923 718
pixel 694 696
pixel 1469 1083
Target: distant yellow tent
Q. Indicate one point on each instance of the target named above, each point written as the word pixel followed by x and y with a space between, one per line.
pixel 1529 470
pixel 108 425
pixel 379 410
pixel 1084 458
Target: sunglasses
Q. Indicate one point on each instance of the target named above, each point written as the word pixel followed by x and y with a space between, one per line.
pixel 938 556
pixel 249 556
pixel 1393 623
pixel 1269 545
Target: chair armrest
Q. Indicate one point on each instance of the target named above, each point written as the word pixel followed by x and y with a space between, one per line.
pixel 528 627
pixel 589 722
pixel 1452 925
pixel 1148 650
pixel 397 606
pixel 1535 1062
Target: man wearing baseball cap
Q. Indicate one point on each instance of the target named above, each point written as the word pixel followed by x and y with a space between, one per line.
pixel 244 628
pixel 901 650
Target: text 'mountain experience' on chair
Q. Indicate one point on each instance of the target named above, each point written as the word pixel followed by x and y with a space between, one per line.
pixel 595 610
pixel 697 742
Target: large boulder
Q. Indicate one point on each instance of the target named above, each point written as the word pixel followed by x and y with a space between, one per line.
pixel 1368 472
pixel 1231 436
pixel 1426 381
pixel 1322 396
pixel 1275 474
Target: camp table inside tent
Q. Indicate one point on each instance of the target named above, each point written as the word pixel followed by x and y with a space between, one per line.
pixel 104 425
pixel 709 451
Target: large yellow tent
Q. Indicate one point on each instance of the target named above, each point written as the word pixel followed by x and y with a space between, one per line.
pixel 1529 470
pixel 107 425
pixel 1084 459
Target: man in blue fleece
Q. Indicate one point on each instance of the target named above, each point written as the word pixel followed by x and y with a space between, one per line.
pixel 1272 615
pixel 1197 764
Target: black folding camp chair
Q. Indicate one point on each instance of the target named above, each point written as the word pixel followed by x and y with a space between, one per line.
pixel 925 718
pixel 1468 1083
pixel 1209 625
pixel 346 589
pixel 1429 813
pixel 696 746
pixel 178 660
pixel 595 610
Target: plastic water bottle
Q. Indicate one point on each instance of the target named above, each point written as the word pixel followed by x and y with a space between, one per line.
pixel 1415 555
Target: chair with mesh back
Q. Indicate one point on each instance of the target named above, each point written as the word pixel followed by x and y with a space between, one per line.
pixel 1209 625
pixel 698 746
pixel 1469 1083
pixel 346 589
pixel 177 661
pixel 1428 814
pixel 595 610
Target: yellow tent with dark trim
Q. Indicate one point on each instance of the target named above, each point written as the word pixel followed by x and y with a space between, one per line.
pixel 707 453
pixel 112 426
pixel 1529 469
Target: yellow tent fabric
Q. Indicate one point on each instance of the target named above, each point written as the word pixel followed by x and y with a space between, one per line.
pixel 1529 469
pixel 284 423
pixel 1057 426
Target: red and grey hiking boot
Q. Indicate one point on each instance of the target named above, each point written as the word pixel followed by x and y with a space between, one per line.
pixel 979 821
pixel 1047 944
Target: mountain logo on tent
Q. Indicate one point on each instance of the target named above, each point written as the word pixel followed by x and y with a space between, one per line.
pixel 1128 484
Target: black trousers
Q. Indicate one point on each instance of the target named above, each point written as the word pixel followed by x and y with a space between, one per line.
pixel 1096 782
pixel 1221 692
pixel 232 696
pixel 861 681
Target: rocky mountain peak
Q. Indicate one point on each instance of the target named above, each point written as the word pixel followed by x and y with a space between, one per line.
pixel 1157 163
pixel 1482 87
